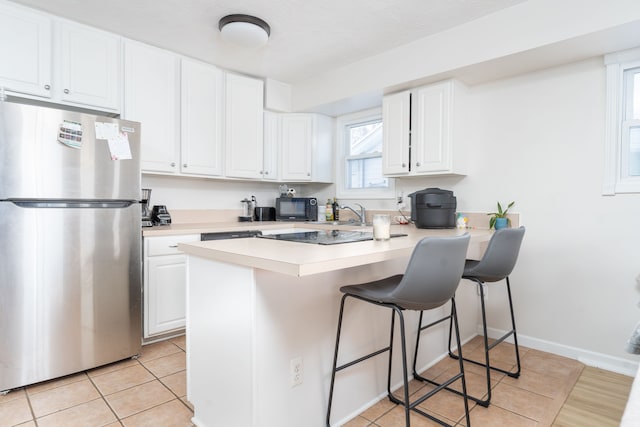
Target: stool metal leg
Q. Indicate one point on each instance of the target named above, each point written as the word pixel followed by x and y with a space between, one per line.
pixel 487 347
pixel 406 403
pixel 337 368
pixel 515 334
pixel 405 373
pixel 335 359
pixel 453 318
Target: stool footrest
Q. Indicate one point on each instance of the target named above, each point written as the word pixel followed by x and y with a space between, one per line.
pixel 502 338
pixel 439 386
pixel 422 328
pixel 363 358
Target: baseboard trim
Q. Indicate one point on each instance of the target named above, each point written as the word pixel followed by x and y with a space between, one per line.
pixel 589 358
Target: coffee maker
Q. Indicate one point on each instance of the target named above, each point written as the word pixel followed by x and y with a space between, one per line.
pixel 146 212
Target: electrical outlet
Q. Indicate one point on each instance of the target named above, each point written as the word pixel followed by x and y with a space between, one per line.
pixel 400 201
pixel 296 371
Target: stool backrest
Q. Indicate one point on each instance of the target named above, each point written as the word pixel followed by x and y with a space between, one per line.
pixel 500 257
pixel 433 274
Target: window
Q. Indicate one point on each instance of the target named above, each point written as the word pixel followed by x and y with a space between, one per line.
pixel 622 168
pixel 360 156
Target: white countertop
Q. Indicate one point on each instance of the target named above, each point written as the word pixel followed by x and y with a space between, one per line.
pixel 303 259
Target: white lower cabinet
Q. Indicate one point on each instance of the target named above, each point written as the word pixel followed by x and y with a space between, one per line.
pixel 164 284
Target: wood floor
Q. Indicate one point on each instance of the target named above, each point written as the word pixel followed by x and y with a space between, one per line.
pixel 598 399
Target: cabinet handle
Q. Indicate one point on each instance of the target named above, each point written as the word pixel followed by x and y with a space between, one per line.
pixel 261 172
pixel 66 91
pixel 308 173
pixel 418 164
pixel 266 172
pixel 404 165
pixel 47 87
pixel 184 166
pixel 173 164
pixel 173 246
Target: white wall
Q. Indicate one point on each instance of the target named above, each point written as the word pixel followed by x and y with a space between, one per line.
pixel 198 193
pixel 538 139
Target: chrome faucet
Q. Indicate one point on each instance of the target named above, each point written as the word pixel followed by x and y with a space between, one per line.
pixel 361 216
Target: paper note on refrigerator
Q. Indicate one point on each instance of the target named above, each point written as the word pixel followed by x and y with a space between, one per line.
pixel 106 130
pixel 119 147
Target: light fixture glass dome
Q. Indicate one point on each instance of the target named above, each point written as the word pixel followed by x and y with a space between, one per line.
pixel 244 30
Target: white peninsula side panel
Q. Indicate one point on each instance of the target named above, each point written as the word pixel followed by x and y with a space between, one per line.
pixel 245 326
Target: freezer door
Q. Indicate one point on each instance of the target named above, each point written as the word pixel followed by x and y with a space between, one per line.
pixel 70 290
pixel 34 163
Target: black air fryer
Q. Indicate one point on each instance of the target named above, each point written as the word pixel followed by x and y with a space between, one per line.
pixel 433 208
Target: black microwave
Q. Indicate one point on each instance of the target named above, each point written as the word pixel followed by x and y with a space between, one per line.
pixel 296 209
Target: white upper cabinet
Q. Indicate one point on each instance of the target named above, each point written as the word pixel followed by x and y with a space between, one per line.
pixel 271 148
pixel 25 51
pixel 67 63
pixel 244 100
pixel 151 97
pixel 307 147
pixel 201 119
pixel 428 142
pixel 90 71
pixel 396 119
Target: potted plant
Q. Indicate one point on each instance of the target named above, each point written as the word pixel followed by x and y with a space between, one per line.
pixel 499 219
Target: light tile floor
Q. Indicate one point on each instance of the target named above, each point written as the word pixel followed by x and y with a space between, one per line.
pixel 151 391
pixel 533 400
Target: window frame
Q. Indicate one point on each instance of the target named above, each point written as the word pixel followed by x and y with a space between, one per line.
pixel 342 156
pixel 617 142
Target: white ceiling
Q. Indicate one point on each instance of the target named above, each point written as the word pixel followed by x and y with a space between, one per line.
pixel 307 37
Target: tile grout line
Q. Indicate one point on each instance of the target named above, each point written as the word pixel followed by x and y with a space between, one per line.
pixel 163 384
pixel 33 414
pixel 102 396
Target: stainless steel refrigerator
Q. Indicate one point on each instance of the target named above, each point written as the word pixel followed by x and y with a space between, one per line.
pixel 70 242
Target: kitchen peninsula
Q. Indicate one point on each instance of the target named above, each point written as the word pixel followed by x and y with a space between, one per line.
pixel 261 319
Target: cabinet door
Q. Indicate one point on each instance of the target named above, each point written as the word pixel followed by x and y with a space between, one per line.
pixel 89 67
pixel 322 149
pixel 271 146
pixel 201 119
pixel 151 97
pixel 244 126
pixel 166 294
pixel 430 129
pixel 25 49
pixel 297 134
pixel 396 133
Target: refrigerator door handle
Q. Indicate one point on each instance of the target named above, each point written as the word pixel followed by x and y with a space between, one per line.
pixel 42 203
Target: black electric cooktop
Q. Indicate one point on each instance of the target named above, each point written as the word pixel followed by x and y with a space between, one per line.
pixel 324 237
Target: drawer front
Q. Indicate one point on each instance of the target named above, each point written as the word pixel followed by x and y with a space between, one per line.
pixel 167 245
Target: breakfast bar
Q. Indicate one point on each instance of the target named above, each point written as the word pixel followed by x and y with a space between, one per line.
pixel 261 320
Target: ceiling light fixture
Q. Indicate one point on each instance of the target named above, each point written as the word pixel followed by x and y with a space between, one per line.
pixel 244 30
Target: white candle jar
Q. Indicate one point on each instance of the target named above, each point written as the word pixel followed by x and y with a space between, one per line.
pixel 381 227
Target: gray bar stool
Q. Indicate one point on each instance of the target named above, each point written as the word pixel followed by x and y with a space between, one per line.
pixel 496 265
pixel 430 281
